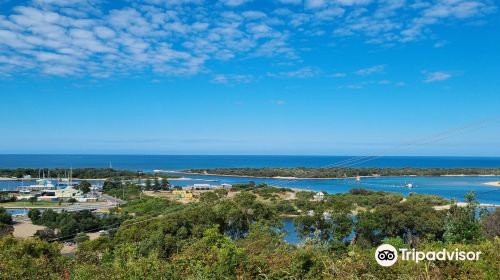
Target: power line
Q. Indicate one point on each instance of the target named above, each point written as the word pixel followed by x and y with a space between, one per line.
pixel 423 141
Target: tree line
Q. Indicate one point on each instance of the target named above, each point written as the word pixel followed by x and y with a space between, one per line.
pixel 306 172
pixel 81 173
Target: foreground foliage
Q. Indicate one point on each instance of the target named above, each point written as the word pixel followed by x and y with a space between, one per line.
pixel 241 238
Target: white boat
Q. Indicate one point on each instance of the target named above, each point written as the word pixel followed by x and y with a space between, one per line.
pixel 409 185
pixel 41 185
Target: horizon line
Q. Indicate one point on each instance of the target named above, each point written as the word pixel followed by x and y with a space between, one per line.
pixel 245 155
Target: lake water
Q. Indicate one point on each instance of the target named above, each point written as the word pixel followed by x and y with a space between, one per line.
pixel 449 187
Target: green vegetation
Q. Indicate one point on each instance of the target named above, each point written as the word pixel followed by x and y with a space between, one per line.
pixel 263 190
pixel 303 172
pixel 5 217
pixel 239 236
pixel 32 203
pixel 84 186
pixel 4 198
pixel 5 223
pixel 129 191
pixel 126 191
pixel 462 226
pixel 80 173
pixel 68 224
pixel 490 223
pixel 33 199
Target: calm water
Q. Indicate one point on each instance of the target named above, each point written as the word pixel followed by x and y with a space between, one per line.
pixel 449 187
pixel 151 162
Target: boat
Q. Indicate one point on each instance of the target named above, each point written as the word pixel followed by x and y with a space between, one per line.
pixel 42 184
pixel 409 185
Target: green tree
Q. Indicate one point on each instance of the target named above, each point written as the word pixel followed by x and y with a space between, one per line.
pixel 214 256
pixel 165 185
pixel 81 237
pixel 5 230
pixel 156 184
pixel 84 186
pixel 461 225
pixel 47 234
pixel 33 199
pixel 35 215
pixel 148 184
pixel 31 258
pixel 49 218
pixel 491 223
pixel 5 217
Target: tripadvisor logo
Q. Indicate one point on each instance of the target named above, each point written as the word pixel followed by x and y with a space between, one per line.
pixel 387 255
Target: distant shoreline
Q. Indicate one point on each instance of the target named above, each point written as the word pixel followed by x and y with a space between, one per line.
pixel 277 177
pixel 331 178
pixel 34 179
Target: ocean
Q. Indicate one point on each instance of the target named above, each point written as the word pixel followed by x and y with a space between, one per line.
pixel 179 162
pixel 449 187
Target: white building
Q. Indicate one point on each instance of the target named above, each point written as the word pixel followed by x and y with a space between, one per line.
pixel 65 193
pixel 319 196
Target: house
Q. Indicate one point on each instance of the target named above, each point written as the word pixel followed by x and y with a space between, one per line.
pixel 182 194
pixel 226 186
pixel 201 187
pixel 179 193
pixel 319 196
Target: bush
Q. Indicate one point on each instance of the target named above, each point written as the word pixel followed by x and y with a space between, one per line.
pixel 5 217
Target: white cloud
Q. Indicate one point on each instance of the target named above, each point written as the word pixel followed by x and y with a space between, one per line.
pixel 339 75
pixel 439 44
pixel 436 76
pixel 234 3
pixel 182 37
pixel 232 79
pixel 304 72
pixel 314 4
pixel 292 2
pixel 371 70
pixel 130 39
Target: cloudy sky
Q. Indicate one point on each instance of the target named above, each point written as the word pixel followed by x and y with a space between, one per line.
pixel 249 76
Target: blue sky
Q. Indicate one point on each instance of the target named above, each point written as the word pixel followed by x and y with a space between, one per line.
pixel 339 77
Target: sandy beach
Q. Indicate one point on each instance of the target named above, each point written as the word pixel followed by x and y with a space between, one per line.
pixel 179 179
